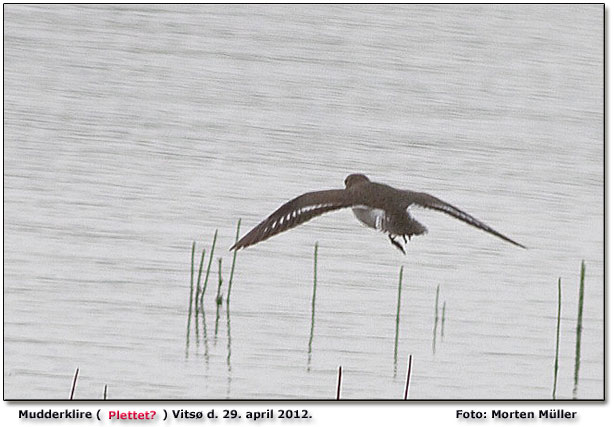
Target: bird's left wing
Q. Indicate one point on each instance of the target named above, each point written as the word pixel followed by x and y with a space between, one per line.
pixel 295 212
pixel 431 202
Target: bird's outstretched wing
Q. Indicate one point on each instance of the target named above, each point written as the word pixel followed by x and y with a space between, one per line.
pixel 431 202
pixel 295 212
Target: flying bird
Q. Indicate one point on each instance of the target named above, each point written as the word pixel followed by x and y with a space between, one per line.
pixel 376 205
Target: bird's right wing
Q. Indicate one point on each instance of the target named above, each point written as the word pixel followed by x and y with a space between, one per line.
pixel 295 212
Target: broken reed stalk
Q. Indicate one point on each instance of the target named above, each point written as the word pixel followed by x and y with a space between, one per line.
pixel 339 383
pixel 74 384
pixel 407 378
pixel 436 317
pixel 234 259
pixel 579 329
pixel 556 354
pixel 313 295
pixel 202 294
pixel 396 333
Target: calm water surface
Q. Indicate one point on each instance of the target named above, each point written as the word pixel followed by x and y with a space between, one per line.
pixel 131 131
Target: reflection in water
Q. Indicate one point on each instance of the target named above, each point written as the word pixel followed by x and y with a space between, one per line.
pixel 197 294
pixel 200 315
pixel 206 341
pixel 218 297
pixel 228 350
pixel 436 320
pixel 196 306
pixel 228 337
pixel 200 271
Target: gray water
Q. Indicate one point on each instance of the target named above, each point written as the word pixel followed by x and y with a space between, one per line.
pixel 132 131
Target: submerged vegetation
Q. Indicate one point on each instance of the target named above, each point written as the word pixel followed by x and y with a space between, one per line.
pixel 578 333
pixel 197 301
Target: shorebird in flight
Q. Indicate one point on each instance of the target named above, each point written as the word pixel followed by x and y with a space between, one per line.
pixel 378 206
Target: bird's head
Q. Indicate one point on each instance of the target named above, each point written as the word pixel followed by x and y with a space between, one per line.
pixel 355 178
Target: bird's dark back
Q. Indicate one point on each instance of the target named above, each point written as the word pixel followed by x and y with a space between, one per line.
pixel 378 195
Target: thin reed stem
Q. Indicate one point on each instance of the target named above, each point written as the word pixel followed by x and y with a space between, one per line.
pixel 436 317
pixel 315 264
pixel 443 317
pixel 579 330
pixel 74 384
pixel 104 393
pixel 234 259
pixel 202 294
pixel 192 273
pixel 396 333
pixel 187 336
pixel 339 373
pixel 313 295
pixel 407 378
pixel 558 334
pixel 198 289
